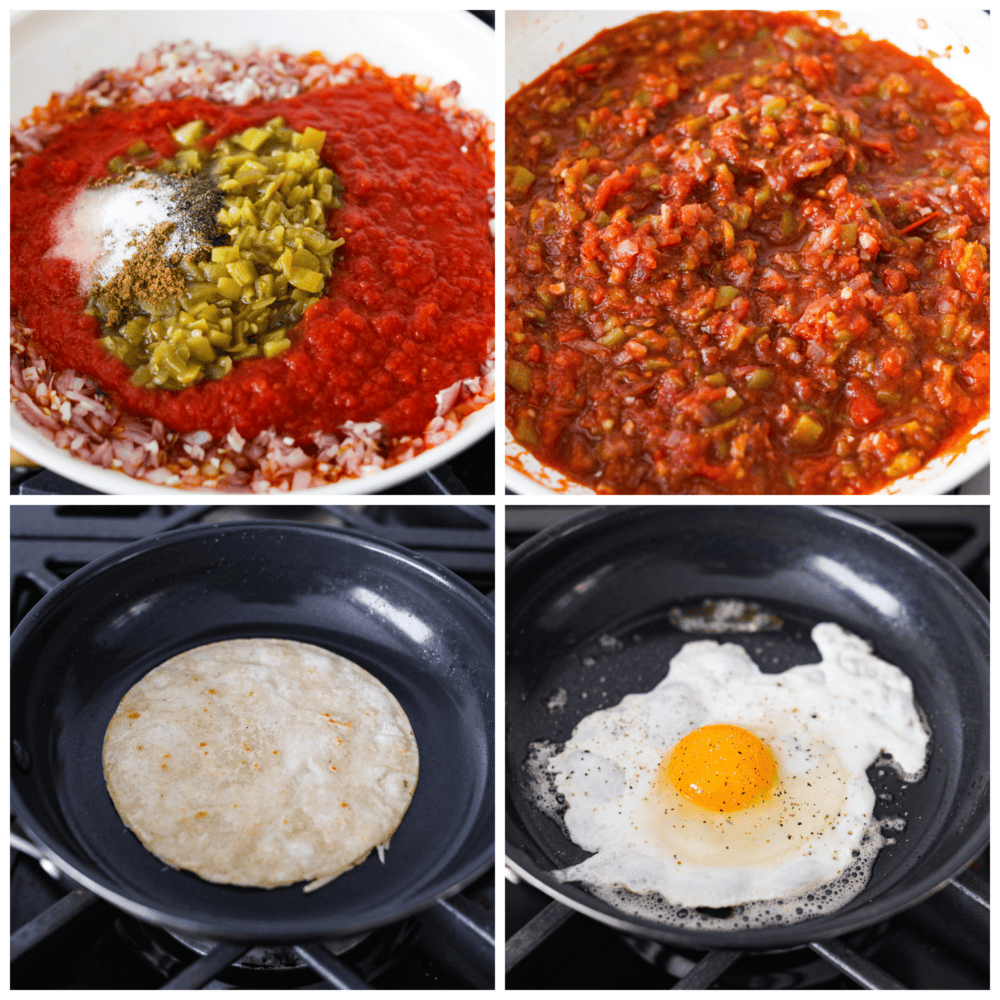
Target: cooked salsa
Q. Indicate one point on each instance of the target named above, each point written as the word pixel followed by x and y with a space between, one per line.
pixel 745 254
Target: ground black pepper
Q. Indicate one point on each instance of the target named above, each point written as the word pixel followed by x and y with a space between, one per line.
pixel 146 279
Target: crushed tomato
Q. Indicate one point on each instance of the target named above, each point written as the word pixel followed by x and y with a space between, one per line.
pixel 407 312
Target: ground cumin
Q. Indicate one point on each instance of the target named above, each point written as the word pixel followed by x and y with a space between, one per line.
pixel 149 279
pixel 146 278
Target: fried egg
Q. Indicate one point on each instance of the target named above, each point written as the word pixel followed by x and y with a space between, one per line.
pixel 728 787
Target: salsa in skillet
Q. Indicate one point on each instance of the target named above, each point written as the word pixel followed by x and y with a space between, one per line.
pixel 744 255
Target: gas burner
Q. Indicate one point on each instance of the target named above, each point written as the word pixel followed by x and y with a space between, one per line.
pixel 265 966
pixel 49 542
pixel 945 939
pixel 795 969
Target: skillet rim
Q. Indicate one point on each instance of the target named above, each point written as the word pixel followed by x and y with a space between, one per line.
pixel 297 930
pixel 775 937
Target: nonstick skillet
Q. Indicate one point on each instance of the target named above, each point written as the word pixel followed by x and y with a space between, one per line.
pixel 588 613
pixel 423 632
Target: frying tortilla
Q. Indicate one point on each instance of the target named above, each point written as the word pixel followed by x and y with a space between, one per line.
pixel 261 762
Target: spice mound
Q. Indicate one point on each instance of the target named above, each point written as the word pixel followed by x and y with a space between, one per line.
pixel 745 255
pixel 124 235
pixel 256 205
pixel 251 274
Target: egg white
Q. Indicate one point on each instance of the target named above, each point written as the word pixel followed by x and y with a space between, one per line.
pixel 825 724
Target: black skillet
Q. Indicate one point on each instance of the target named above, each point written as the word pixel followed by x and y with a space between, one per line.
pixel 423 632
pixel 588 605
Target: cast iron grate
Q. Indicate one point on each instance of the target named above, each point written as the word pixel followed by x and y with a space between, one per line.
pixel 50 542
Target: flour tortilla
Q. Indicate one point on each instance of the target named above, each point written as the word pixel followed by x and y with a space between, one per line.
pixel 261 762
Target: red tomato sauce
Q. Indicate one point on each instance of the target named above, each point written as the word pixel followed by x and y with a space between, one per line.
pixel 407 312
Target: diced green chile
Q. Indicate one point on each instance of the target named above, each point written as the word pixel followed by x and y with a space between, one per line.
pixel 240 304
pixel 519 376
pixel 760 379
pixel 725 295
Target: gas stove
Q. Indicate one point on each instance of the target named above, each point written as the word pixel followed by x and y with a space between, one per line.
pixel 65 937
pixel 941 943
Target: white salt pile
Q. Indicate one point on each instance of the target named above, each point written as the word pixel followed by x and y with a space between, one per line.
pixel 103 227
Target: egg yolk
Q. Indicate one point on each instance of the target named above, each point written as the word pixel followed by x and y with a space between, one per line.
pixel 722 768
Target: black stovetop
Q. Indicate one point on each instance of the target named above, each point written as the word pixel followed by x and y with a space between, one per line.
pixel 940 944
pixel 79 942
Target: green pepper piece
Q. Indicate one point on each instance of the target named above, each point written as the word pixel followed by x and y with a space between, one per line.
pixel 898 325
pixel 728 237
pixel 774 108
pixel 519 376
pixel 694 125
pixel 725 295
pixel 760 379
pixel 807 430
pixel 520 180
pixel 740 214
pixel 852 124
pixel 848 234
pixel 188 135
pixel 616 337
pixel 903 463
pixel 525 431
pixel 729 405
pixel 797 38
